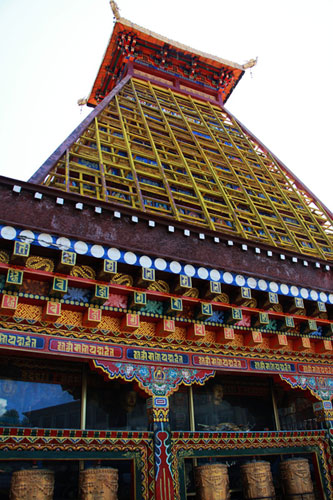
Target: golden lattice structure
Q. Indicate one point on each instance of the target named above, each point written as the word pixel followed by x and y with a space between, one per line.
pixel 158 151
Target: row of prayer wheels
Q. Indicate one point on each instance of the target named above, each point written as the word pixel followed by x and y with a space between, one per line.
pixel 38 484
pixel 212 481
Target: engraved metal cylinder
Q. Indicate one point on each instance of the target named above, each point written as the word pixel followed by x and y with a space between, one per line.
pixel 212 482
pixel 257 480
pixel 296 479
pixel 99 484
pixel 32 484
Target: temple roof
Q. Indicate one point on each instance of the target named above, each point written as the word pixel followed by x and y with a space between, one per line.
pixel 166 152
pixel 154 51
pixel 161 142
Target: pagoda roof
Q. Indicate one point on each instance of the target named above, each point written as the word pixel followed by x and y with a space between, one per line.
pixel 166 153
pixel 129 40
pixel 161 142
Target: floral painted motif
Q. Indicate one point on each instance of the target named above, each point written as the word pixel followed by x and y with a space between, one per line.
pixel 321 387
pixel 155 380
pixel 78 294
pixel 116 300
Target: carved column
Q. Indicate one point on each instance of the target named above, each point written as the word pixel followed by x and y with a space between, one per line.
pixel 159 421
pixel 159 382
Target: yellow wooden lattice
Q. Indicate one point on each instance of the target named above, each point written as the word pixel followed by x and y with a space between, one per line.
pixel 161 152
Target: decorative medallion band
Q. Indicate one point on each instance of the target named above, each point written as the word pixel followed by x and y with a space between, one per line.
pixel 159 264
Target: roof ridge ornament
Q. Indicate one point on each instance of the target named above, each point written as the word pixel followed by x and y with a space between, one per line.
pixel 250 63
pixel 82 101
pixel 115 9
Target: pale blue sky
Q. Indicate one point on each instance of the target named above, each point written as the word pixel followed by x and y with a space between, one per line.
pixel 51 51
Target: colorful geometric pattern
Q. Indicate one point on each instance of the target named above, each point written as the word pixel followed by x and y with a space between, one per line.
pixel 171 266
pixel 320 387
pixel 229 444
pixel 160 152
pixel 38 444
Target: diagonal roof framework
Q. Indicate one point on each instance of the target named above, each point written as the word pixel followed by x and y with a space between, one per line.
pixel 162 151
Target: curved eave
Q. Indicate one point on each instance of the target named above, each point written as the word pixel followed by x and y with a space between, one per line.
pixel 150 36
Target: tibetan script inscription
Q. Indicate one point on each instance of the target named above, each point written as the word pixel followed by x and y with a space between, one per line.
pixel 85 348
pixel 12 339
pixel 219 362
pixel 319 370
pixel 272 366
pixel 156 357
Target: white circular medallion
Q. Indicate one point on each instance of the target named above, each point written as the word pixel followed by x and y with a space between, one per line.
pixel 215 275
pixel 203 273
pixel 273 286
pixel 175 267
pixel 8 233
pixel 314 295
pixel 114 254
pixel 27 236
pixel 145 261
pixel 130 258
pixel 189 270
pixel 251 282
pixel 304 293
pixel 284 289
pixel 160 264
pixel 262 285
pixel 97 251
pixel 330 298
pixel 228 278
pixel 45 240
pixel 80 247
pixel 240 280
pixel 294 291
pixel 63 243
pixel 323 296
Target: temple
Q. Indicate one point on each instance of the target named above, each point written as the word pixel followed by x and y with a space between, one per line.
pixel 166 299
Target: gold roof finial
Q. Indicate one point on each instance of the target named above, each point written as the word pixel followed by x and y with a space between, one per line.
pixel 115 9
pixel 250 63
pixel 82 101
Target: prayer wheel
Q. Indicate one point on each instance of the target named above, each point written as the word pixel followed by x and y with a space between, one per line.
pixel 212 482
pixel 99 484
pixel 32 484
pixel 257 480
pixel 296 479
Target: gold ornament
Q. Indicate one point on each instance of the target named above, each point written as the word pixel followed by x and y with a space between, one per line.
pixel 4 257
pixel 191 292
pixel 159 286
pixel 83 272
pixel 122 279
pixel 40 263
pixel 222 297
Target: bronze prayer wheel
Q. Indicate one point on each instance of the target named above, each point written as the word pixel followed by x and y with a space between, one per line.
pixel 296 479
pixel 32 484
pixel 257 480
pixel 98 484
pixel 212 482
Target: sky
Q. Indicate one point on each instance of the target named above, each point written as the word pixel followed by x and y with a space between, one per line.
pixel 51 51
